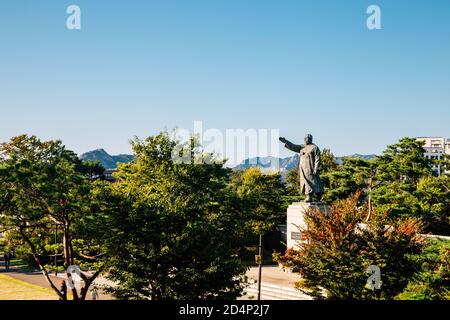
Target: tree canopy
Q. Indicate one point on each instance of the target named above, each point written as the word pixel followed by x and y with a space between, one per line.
pixel 338 249
pixel 175 232
pixel 44 186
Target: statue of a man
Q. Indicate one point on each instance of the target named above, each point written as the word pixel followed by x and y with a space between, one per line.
pixel 309 167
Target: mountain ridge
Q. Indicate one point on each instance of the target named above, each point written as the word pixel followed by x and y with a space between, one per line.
pixel 110 162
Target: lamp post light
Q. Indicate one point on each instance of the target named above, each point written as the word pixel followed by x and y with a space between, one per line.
pixel 56 249
pixel 259 262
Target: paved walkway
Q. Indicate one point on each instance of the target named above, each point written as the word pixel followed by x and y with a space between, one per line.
pixel 275 285
pixel 275 276
pixel 37 278
pixel 270 274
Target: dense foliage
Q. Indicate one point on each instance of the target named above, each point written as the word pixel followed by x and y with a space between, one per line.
pixel 338 249
pixel 175 233
pixel 400 182
pixel 171 229
pixel 44 186
pixel 433 280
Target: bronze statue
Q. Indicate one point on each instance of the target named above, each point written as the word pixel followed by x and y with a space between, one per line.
pixel 309 167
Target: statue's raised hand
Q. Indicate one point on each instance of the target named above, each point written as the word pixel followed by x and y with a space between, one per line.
pixel 282 139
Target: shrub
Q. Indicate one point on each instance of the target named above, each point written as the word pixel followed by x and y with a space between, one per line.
pixel 338 250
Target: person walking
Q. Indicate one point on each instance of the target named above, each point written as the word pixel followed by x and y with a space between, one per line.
pixel 94 294
pixel 63 290
pixel 7 259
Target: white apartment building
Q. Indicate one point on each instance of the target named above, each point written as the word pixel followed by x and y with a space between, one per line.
pixel 435 148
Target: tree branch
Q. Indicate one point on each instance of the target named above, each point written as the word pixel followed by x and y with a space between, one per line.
pixel 40 264
pixel 92 258
pixel 88 282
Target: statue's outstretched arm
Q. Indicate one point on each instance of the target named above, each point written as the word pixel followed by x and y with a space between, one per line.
pixel 291 146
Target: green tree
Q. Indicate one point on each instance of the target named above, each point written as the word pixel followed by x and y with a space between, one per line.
pixel 260 196
pixel 445 163
pixel 433 281
pixel 92 169
pixel 400 169
pixel 400 182
pixel 174 229
pixel 433 200
pixel 404 162
pixel 345 180
pixel 292 182
pixel 42 186
pixel 328 161
pixel 262 207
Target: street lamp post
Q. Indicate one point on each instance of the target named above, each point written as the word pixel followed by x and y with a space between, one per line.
pixel 260 265
pixel 56 249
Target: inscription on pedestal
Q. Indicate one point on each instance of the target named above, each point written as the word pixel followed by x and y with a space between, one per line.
pixel 296 223
pixel 296 235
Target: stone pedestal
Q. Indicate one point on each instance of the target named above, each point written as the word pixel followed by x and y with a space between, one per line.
pixel 295 221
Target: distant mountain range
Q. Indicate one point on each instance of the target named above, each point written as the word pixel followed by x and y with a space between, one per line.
pixel 289 163
pixel 270 163
pixel 106 160
pixel 266 163
pixel 367 157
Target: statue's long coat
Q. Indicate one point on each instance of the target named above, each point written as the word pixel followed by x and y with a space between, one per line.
pixel 309 162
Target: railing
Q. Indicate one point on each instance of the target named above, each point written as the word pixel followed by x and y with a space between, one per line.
pixel 274 292
pixel 435 236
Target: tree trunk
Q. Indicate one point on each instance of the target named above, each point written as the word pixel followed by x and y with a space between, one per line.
pixel 68 256
pixel 66 246
pixel 87 283
pixel 41 266
pixel 370 200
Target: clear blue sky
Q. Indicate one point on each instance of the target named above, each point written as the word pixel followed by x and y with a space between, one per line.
pixel 138 67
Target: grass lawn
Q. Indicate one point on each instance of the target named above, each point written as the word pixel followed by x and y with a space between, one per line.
pixel 13 289
pixel 20 264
